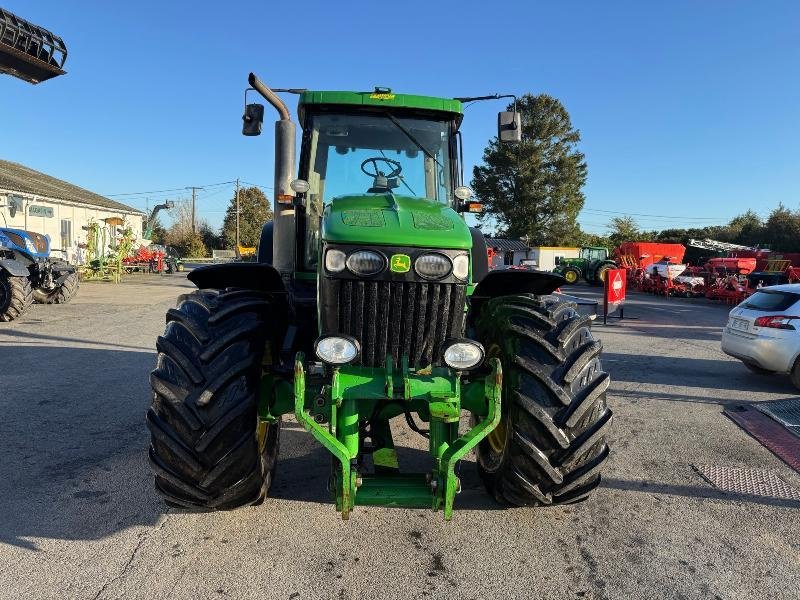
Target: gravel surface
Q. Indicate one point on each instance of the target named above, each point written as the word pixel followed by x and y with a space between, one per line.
pixel 81 519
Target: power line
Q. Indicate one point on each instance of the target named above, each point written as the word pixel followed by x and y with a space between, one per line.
pixel 168 190
pixel 673 218
pixel 266 187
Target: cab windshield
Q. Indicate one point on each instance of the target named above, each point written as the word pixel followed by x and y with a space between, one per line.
pixel 357 154
pixel 360 154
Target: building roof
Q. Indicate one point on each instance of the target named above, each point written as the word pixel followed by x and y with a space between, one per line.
pixel 507 245
pixel 19 178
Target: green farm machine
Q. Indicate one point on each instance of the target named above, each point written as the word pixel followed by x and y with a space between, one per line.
pixel 591 265
pixel 371 300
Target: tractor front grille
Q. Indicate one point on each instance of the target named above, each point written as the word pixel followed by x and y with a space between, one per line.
pixel 394 317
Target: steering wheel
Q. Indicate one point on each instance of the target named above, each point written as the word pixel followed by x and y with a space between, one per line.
pixel 393 164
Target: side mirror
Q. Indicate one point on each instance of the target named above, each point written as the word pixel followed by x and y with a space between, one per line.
pixel 509 127
pixel 253 119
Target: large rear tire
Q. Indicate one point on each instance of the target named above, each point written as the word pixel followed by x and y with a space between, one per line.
pixel 600 274
pixel 207 448
pixel 15 296
pixel 60 295
pixel 550 444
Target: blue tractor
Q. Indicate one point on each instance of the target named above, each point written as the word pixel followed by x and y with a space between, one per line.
pixel 29 274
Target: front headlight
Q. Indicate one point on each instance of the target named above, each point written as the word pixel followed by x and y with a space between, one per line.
pixel 461 266
pixel 433 266
pixel 366 262
pixel 462 354
pixel 336 349
pixel 335 261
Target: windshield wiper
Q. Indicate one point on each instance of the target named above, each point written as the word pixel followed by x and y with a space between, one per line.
pixel 400 177
pixel 413 139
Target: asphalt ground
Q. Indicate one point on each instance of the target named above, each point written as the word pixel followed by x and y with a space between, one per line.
pixel 80 519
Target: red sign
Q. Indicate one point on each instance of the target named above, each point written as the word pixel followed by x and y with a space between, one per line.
pixel 614 294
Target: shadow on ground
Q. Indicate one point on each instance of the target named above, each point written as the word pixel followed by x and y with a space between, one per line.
pixel 718 374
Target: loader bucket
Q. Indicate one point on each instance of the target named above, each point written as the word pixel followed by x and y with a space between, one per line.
pixel 29 52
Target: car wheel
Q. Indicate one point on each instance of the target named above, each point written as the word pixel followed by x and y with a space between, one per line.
pixel 795 374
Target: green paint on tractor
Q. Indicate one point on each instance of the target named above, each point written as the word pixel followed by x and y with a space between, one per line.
pixel 371 301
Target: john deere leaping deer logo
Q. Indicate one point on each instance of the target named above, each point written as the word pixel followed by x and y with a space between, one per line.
pixel 400 263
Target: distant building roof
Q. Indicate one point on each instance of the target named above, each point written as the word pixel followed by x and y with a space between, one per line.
pixel 506 245
pixel 19 178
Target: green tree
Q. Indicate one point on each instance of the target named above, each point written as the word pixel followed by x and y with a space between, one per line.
pixel 533 189
pixel 623 229
pixel 254 211
pixel 782 230
pixel 746 229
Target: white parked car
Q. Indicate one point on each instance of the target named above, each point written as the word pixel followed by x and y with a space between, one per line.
pixel 764 331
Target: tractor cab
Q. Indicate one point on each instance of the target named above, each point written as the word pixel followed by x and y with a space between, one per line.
pixel 593 253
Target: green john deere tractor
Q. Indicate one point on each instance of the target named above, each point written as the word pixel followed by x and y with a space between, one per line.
pixel 592 264
pixel 372 300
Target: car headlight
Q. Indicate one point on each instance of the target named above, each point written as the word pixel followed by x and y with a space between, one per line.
pixel 366 262
pixel 462 354
pixel 336 349
pixel 461 266
pixel 433 266
pixel 335 261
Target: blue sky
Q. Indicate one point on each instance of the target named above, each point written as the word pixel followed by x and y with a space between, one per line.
pixel 688 110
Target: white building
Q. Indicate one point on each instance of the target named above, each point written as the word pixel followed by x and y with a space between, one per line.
pixel 37 202
pixel 508 252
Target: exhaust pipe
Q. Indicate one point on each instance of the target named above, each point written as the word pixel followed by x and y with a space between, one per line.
pixel 283 240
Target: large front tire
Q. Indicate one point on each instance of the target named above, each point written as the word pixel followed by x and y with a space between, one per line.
pixel 15 296
pixel 550 444
pixel 207 448
pixel 59 295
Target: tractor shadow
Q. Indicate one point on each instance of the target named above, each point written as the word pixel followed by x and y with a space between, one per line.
pixel 74 443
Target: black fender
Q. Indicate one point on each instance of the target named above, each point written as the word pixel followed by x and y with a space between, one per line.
pixel 508 282
pixel 14 268
pixel 245 275
pixel 479 255
pixel 265 243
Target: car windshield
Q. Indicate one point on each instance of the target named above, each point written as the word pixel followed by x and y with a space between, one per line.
pixel 355 154
pixel 771 300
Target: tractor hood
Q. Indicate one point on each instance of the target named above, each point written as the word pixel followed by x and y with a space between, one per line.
pixel 393 220
pixel 30 242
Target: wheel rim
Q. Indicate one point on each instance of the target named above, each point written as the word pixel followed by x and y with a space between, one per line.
pixel 261 434
pixel 496 438
pixel 602 275
pixel 570 276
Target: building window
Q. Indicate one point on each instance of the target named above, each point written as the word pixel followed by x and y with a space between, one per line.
pixel 508 258
pixel 66 234
pixel 559 258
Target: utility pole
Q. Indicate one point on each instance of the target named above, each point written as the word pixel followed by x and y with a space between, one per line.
pixel 237 212
pixel 194 199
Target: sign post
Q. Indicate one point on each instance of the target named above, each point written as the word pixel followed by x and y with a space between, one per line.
pixel 614 293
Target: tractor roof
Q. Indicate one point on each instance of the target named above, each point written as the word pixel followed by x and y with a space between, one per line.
pixel 381 97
